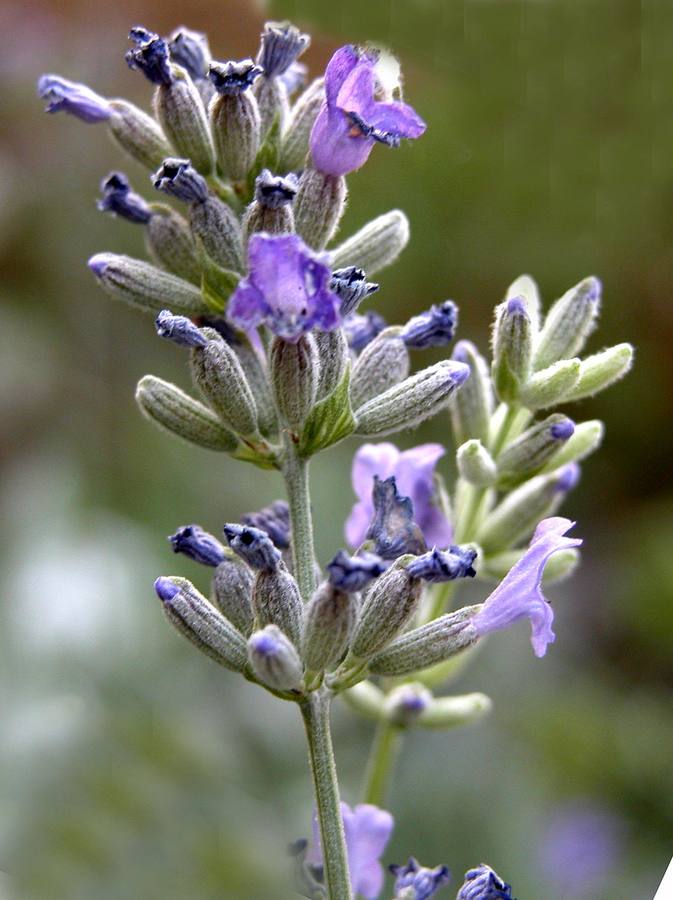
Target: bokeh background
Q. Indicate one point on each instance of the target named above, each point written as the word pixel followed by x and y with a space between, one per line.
pixel 134 768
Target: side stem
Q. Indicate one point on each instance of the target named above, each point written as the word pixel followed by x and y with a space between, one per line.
pixel 295 471
pixel 315 711
pixel 383 755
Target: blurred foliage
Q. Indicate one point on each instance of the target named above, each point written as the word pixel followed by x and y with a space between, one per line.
pixel 133 768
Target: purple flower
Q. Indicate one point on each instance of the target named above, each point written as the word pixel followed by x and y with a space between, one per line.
pixel 353 573
pixel 120 200
pixel 444 565
pixel 368 830
pixel 73 98
pixel 483 883
pixel 232 78
pixel 361 330
pixel 287 288
pixel 352 120
pixel 433 328
pixel 198 545
pixel 179 178
pixel 274 520
pixel 392 528
pixel 413 470
pixel 424 882
pixel 150 56
pixel 254 546
pixel 519 594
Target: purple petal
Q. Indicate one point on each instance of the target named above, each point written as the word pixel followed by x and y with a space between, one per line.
pixel 357 90
pixel 370 460
pixel 414 472
pixel 368 830
pixel 338 68
pixel 246 307
pixel 396 118
pixel 336 147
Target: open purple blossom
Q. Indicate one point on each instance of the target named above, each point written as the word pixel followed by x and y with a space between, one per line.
pixel 434 328
pixel 231 78
pixel 353 573
pixel 392 528
pixel 443 565
pixel 483 883
pixel 287 288
pixel 77 99
pixel 519 594
pixel 362 329
pixel 368 829
pixel 274 519
pixel 254 546
pixel 352 120
pixel 179 329
pixel 198 545
pixel 179 178
pixel 413 470
pixel 150 56
pixel 415 877
pixel 351 286
pixel 281 45
pixel 190 50
pixel 118 199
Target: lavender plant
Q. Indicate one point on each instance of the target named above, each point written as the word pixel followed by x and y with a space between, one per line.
pixel 285 365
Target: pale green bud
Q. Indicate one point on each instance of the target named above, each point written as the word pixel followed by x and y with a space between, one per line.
pixel 272 101
pixel 138 134
pixel 294 378
pixel 406 704
pixel 526 287
pixel 384 362
pixel 546 387
pixel 526 455
pixel 276 601
pixel 295 140
pixel 215 224
pixel 475 464
pixel 450 712
pixel 472 406
pixel 236 132
pixel 274 660
pixel 387 607
pixel 328 625
pixel 318 206
pixel 145 286
pixel 512 348
pixel 586 438
pixel 413 400
pixel 183 416
pixel 433 643
pixel 170 243
pixel 333 357
pixel 218 374
pixel 599 371
pixel 232 592
pixel 568 324
pixel 376 245
pixel 179 108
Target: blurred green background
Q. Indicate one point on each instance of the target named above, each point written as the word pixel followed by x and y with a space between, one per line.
pixel 134 768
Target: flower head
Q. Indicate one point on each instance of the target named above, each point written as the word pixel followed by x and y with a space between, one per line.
pixel 77 99
pixel 198 545
pixel 367 830
pixel 150 56
pixel 413 470
pixel 519 594
pixel 118 199
pixel 287 288
pixel 483 883
pixel 424 882
pixel 352 120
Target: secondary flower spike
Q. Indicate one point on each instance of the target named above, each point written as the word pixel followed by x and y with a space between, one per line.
pixel 352 120
pixel 483 883
pixel 287 288
pixel 519 594
pixel 77 99
pixel 422 882
pixel 413 470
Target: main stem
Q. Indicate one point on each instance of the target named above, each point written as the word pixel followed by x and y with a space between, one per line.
pixel 315 712
pixel 295 471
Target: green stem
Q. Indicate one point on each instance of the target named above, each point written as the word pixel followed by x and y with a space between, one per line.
pixel 465 528
pixel 501 436
pixel 385 749
pixel 315 712
pixel 295 471
pixel 441 596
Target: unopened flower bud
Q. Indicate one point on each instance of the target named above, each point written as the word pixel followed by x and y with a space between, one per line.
pixel 320 203
pixel 333 358
pixel 274 660
pixel 294 377
pixel 198 620
pixel 274 520
pixel 443 565
pixel 405 704
pixel 376 245
pixel 180 110
pixel 383 363
pixel 217 228
pixel 218 373
pixel 276 601
pixel 599 371
pixel 179 329
pixel 302 116
pixel 526 287
pixel 351 287
pixel 254 546
pixel 586 438
pixel 328 625
pixel 526 455
pixel 138 134
pixel 472 406
pixel 413 400
pixel 512 348
pixel 387 607
pixel 450 712
pixel 150 56
pixel 361 330
pixel 352 574
pixel 144 286
pixel 434 328
pixel 568 324
pixel 548 386
pixel 475 464
pixel 483 883
pixel 190 50
pixel 178 178
pixel 271 210
pixel 416 882
pixel 170 243
pixel 232 592
pixel 177 412
pixel 281 45
pixel 234 116
pixel 198 545
pixel 118 199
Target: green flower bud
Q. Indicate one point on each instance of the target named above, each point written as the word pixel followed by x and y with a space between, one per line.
pixel 586 438
pixel 383 363
pixel 599 371
pixel 254 366
pixel 178 413
pixel 179 108
pixel 512 348
pixel 333 357
pixel 276 601
pixel 218 374
pixel 318 207
pixel 568 324
pixel 387 607
pixel 144 286
pixel 217 227
pixel 475 464
pixel 328 625
pixel 294 146
pixel 450 712
pixel 430 644
pixel 236 132
pixel 472 406
pixel 376 245
pixel 413 400
pixel 170 243
pixel 546 387
pixel 232 592
pixel 274 660
pixel 138 134
pixel 294 378
pixel 526 455
pixel 526 287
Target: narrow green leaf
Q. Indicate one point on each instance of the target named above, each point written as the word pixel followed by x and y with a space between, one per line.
pixel 330 421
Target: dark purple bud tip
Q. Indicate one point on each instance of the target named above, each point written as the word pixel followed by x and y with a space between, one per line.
pixel 282 43
pixel 254 546
pixel 568 478
pixel 483 883
pixel 593 288
pixel 434 328
pixel 561 431
pixel 76 99
pixel 274 191
pixel 179 178
pixel 444 565
pixel 179 329
pixel 420 882
pixel 234 77
pixel 362 329
pixel 516 306
pixel 350 574
pixel 150 56
pixel 458 372
pixel 99 263
pixel 198 545
pixel 274 519
pixel 118 199
pixel 351 287
pixel 166 589
pixel 190 50
pixel 392 527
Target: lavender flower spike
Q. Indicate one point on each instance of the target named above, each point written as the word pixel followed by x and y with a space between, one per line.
pixel 413 470
pixel 483 883
pixel 287 288
pixel 76 99
pixel 179 329
pixel 443 565
pixel 351 574
pixel 254 546
pixel 368 829
pixel 120 200
pixel 198 545
pixel 352 120
pixel 519 594
pixel 424 882
pixel 434 328
pixel 150 56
